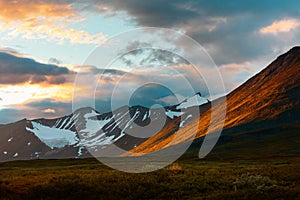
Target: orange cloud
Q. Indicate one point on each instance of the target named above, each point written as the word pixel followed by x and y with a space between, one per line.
pixel 285 25
pixel 44 20
pixel 49 110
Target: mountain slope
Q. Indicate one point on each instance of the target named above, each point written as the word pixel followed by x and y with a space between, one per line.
pixel 18 143
pixel 262 118
pixel 264 102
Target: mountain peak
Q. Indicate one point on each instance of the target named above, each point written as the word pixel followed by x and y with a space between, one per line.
pixel 293 52
pixel 294 49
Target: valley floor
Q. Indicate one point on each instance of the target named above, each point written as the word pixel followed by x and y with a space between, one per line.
pixel 186 179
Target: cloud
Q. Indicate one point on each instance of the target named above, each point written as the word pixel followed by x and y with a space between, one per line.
pixel 241 36
pixel 172 99
pixel 89 69
pixel 151 86
pixel 11 115
pixel 150 94
pixel 284 25
pixel 48 20
pixel 49 111
pixel 16 70
pixel 46 107
pixel 10 51
pixel 227 30
pixel 18 65
pixel 151 57
pixel 54 61
pixel 48 102
pixel 151 13
pixel 35 109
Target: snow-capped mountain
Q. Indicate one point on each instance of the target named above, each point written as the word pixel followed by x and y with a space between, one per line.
pixel 86 130
pixel 266 106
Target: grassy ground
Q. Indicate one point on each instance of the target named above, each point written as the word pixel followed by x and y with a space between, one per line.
pixel 186 179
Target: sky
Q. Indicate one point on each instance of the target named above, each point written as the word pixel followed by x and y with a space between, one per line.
pixel 44 45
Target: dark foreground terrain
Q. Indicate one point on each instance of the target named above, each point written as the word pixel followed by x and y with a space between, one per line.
pixel 188 178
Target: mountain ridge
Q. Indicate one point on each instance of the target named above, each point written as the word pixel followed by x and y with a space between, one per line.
pixel 269 97
pixel 81 132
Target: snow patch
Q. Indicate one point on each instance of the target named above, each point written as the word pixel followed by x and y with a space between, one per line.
pixel 173 114
pixel 80 149
pixel 10 139
pixel 145 116
pixel 53 137
pixel 15 155
pixel 5 152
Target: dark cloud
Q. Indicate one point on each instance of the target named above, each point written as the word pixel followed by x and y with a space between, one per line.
pixel 111 71
pixel 153 13
pixel 19 65
pixel 15 69
pixel 54 61
pixel 45 103
pixel 14 79
pixel 150 56
pixel 9 50
pixel 104 105
pixel 56 80
pixel 38 107
pixel 9 115
pixel 170 13
pixel 150 94
pixel 34 110
pixel 37 79
pixel 229 30
pixel 137 45
pixel 147 95
pixel 89 69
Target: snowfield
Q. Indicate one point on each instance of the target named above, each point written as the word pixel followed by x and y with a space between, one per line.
pixel 53 137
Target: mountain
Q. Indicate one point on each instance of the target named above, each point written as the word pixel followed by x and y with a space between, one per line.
pixel 86 131
pixel 262 118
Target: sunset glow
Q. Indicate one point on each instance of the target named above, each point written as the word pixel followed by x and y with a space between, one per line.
pixel 11 95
